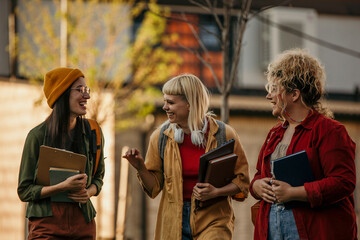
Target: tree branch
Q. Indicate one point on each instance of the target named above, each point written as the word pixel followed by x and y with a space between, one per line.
pixel 196 35
pixel 207 64
pixel 200 5
pixel 268 7
pixel 244 19
pixel 189 22
pixel 212 11
pixel 226 47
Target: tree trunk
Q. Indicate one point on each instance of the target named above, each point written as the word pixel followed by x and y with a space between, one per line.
pixel 225 107
pixel 12 40
pixel 63 33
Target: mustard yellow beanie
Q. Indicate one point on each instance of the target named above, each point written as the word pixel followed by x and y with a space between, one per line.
pixel 57 81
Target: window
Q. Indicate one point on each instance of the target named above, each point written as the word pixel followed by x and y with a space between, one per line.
pixel 275 40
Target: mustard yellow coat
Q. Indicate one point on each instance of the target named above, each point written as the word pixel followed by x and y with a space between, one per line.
pixel 213 222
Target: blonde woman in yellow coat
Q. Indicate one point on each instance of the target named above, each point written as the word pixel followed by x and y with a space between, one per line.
pixel 191 133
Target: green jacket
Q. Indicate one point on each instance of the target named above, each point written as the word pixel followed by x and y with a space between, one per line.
pixel 29 191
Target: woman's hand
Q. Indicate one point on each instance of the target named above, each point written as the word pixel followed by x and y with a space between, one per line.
pixel 75 183
pixel 284 192
pixel 262 188
pixel 80 196
pixel 204 191
pixel 84 194
pixel 135 159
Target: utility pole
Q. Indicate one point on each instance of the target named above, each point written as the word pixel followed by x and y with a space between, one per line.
pixel 63 33
pixel 12 40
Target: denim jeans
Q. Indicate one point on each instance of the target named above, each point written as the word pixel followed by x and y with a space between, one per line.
pixel 282 224
pixel 186 229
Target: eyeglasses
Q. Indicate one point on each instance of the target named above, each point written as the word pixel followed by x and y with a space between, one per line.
pixel 82 90
pixel 271 88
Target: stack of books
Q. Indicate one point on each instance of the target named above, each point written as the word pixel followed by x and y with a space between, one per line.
pixel 217 168
pixel 58 175
pixel 56 165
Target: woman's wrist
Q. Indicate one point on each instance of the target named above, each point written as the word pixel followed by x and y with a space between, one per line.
pixel 60 187
pixel 298 194
pixel 92 190
pixel 254 187
pixel 141 169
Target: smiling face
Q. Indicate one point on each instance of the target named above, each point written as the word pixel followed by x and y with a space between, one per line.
pixel 77 100
pixel 177 109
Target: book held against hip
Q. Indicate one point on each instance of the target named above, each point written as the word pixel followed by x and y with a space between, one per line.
pixel 58 175
pixel 217 168
pixel 220 172
pixel 294 169
pixel 222 150
pixel 55 157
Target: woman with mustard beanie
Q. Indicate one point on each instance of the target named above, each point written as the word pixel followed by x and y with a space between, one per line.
pixel 65 128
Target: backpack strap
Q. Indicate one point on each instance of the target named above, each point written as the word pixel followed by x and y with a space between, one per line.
pixel 162 142
pixel 95 141
pixel 221 133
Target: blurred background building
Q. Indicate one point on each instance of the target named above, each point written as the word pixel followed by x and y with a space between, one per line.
pixel 329 29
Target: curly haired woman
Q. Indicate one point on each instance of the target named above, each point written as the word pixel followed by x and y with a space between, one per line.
pixel 325 208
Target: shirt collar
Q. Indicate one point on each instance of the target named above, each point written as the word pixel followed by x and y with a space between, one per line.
pixel 309 121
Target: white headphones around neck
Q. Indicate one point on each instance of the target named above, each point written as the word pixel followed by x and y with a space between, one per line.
pixel 197 136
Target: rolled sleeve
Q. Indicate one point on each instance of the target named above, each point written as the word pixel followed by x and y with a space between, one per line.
pixel 241 167
pixel 157 188
pixel 313 192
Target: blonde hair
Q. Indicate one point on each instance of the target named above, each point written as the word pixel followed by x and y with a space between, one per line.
pixel 197 95
pixel 297 69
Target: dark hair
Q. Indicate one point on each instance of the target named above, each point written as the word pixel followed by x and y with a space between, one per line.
pixel 57 125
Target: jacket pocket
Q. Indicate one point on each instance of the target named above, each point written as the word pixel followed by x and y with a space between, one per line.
pixel 169 188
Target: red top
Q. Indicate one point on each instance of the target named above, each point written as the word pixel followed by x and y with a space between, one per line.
pixel 330 213
pixel 190 156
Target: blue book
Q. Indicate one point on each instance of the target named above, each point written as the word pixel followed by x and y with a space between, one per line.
pixel 294 169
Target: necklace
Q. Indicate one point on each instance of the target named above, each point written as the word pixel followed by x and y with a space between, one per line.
pixel 291 117
pixel 281 121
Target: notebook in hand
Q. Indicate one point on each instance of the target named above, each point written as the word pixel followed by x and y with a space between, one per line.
pixel 58 175
pixel 294 169
pixel 224 149
pixel 220 172
pixel 54 157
